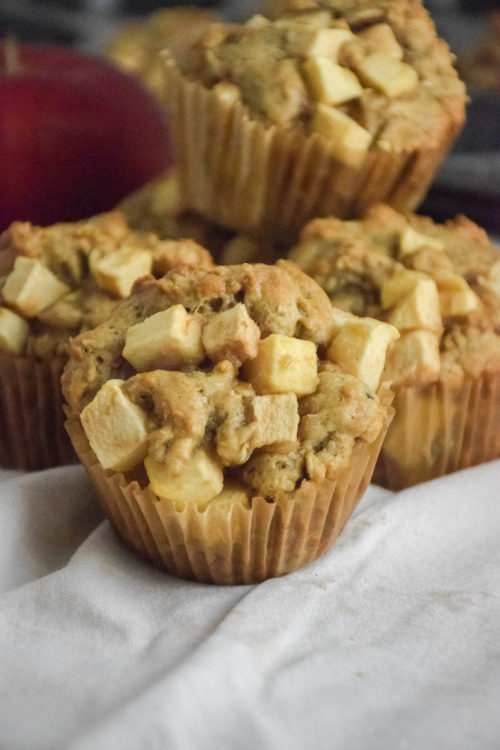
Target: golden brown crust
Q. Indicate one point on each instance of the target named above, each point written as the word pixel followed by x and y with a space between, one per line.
pixel 213 407
pixel 280 299
pixel 65 249
pixel 352 260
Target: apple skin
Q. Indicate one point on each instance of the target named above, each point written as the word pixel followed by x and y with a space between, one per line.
pixel 76 135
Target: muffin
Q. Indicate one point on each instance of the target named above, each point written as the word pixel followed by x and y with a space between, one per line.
pixel 439 284
pixel 227 433
pixel 158 207
pixel 326 110
pixel 135 47
pixel 55 282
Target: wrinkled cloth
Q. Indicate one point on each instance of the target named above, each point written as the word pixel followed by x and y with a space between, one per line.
pixel 390 641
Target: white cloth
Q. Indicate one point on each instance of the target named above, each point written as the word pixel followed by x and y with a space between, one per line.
pixel 390 641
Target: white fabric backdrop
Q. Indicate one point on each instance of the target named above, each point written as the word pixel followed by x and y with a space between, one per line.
pixel 390 641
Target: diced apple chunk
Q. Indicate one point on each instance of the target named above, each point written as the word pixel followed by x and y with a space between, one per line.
pixel 418 309
pixel 416 357
pixel 386 74
pixel 340 318
pixel 307 41
pixel 277 418
pixel 166 340
pixel 331 83
pixel 380 38
pixel 410 241
pixel 348 141
pixel 14 331
pixel 200 480
pixel 455 295
pixel 399 285
pixel 361 349
pixel 231 334
pixel 283 365
pixel 31 287
pixel 115 427
pixel 116 272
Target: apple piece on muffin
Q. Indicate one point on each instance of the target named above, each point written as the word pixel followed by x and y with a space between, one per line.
pixel 13 331
pixel 284 365
pixel 361 348
pixel 123 443
pixel 31 287
pixel 116 272
pixel 169 338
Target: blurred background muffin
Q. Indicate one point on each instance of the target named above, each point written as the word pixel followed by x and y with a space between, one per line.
pixel 439 284
pixel 323 110
pixel 469 179
pixel 55 282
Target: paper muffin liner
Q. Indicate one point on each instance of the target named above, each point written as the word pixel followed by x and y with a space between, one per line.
pixel 440 428
pixel 271 181
pixel 239 545
pixel 32 434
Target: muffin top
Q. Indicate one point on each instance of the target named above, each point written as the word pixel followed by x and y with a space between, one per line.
pixel 59 280
pixel 231 380
pixel 439 284
pixel 364 73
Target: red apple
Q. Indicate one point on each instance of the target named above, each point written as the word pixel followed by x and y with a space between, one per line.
pixel 76 134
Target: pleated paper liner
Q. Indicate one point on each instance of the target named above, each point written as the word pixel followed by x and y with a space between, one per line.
pixel 439 429
pixel 236 545
pixel 32 434
pixel 268 181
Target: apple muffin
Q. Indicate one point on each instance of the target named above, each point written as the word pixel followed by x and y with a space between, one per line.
pixel 324 110
pixel 227 428
pixel 439 285
pixel 55 282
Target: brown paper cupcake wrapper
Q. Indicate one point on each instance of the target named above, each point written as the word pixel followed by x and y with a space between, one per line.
pixel 271 181
pixel 439 429
pixel 32 434
pixel 240 545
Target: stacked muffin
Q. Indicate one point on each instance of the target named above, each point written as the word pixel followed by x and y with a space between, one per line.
pixel 55 282
pixel 328 108
pixel 440 286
